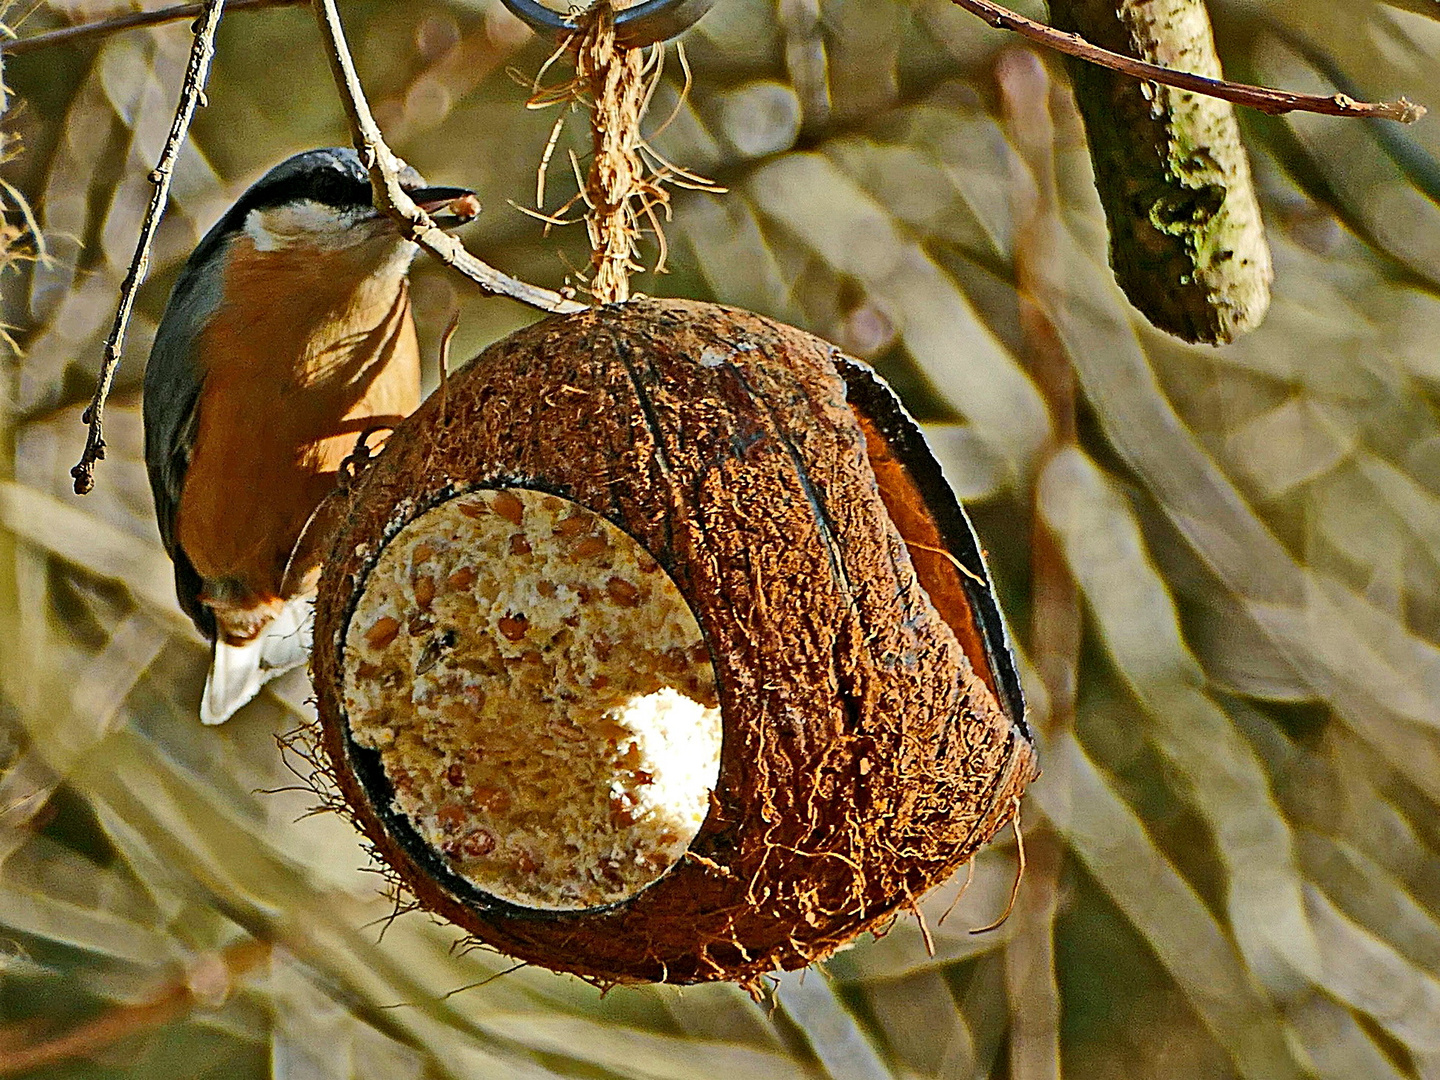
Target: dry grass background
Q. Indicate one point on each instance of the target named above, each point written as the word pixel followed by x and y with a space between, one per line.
pixel 1234 846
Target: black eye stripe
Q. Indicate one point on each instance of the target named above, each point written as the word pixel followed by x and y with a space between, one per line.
pixel 333 177
pixel 331 188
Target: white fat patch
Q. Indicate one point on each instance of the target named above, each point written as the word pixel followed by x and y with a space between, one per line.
pixel 541 698
pixel 310 223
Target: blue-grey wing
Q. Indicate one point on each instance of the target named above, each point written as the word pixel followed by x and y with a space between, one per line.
pixel 174 377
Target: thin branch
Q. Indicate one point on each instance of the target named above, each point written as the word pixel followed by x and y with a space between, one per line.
pixel 125 1021
pixel 394 200
pixel 192 93
pixel 69 35
pixel 1274 102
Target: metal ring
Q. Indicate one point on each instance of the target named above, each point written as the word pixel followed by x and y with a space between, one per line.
pixel 643 24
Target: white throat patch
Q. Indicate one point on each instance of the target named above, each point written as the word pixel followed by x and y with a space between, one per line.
pixel 311 224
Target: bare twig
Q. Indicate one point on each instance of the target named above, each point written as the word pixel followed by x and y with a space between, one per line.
pixel 192 94
pixel 125 1021
pixel 1057 620
pixel 69 35
pixel 393 199
pixel 1057 624
pixel 1274 102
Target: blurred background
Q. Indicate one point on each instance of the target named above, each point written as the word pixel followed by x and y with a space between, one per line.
pixel 1222 566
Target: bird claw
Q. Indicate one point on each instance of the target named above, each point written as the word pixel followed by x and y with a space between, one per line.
pixel 354 463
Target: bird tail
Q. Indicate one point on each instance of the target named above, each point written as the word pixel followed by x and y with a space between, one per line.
pixel 237 672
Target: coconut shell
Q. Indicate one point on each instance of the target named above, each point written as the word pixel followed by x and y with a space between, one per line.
pixel 873 738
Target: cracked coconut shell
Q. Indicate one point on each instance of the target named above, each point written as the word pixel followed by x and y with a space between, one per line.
pixel 655 647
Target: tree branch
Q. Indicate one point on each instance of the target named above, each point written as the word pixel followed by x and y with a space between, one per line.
pixel 1274 102
pixel 394 200
pixel 192 94
pixel 126 1021
pixel 69 35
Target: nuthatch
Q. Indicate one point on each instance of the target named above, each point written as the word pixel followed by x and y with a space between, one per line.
pixel 287 336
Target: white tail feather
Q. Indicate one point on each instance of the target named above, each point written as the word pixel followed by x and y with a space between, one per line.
pixel 237 672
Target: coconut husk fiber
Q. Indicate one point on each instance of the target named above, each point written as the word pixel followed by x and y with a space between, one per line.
pixel 872 742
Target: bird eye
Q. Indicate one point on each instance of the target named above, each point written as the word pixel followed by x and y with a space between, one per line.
pixel 343 192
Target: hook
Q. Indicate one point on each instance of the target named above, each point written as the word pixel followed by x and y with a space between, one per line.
pixel 635 27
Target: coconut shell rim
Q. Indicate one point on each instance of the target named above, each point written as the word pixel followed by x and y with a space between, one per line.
pixel 907 440
pixel 365 764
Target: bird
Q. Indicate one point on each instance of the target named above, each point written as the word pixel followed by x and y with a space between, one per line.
pixel 286 342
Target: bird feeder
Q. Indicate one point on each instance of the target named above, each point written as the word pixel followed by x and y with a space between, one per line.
pixel 655 647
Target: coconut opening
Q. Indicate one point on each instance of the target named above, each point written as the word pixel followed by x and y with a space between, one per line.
pixel 939 574
pixel 540 696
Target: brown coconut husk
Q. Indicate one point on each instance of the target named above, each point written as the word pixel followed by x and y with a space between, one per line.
pixel 866 751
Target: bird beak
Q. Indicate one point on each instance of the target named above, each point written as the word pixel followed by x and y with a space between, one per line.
pixel 450 207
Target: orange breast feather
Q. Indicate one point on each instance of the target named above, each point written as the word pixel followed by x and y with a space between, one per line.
pixel 295 369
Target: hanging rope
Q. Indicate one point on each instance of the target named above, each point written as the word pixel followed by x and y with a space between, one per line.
pixel 617 190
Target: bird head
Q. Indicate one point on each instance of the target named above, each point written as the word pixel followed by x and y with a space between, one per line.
pixel 319 204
